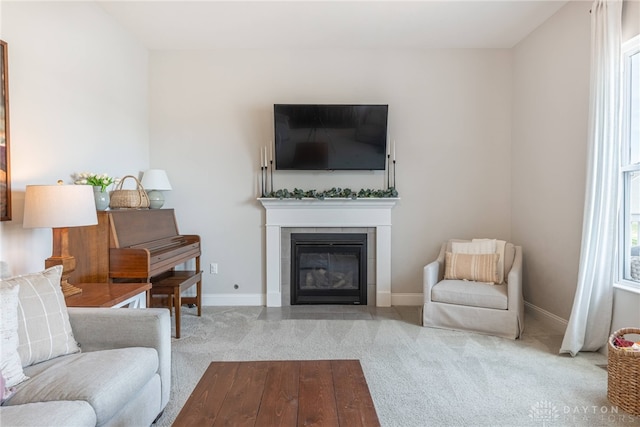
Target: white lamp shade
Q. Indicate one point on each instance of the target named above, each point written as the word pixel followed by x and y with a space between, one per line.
pixel 58 206
pixel 156 179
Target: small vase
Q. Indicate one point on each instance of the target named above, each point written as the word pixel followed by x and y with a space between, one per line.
pixel 101 198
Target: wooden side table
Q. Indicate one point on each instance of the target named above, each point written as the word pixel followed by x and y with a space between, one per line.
pixel 114 295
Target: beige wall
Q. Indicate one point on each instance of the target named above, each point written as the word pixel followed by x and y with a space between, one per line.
pixel 490 142
pixel 450 114
pixel 630 19
pixel 550 104
pixel 78 102
pixel 551 97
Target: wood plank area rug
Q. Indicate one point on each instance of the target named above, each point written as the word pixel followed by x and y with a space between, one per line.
pixel 281 393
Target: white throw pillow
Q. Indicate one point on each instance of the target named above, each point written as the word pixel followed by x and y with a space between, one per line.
pixel 44 331
pixel 484 246
pixel 10 365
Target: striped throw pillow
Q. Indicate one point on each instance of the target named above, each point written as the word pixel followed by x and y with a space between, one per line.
pixel 475 267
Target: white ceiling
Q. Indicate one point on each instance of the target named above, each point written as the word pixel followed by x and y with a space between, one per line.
pixel 162 24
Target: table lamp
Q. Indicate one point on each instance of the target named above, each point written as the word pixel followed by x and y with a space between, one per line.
pixel 155 181
pixel 60 207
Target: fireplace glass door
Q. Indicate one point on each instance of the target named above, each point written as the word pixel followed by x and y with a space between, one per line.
pixel 328 268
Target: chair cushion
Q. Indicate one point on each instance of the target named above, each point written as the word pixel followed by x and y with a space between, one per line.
pixel 476 267
pixel 473 294
pixel 121 375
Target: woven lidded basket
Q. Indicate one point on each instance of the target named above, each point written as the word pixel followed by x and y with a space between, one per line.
pixel 129 199
pixel 623 386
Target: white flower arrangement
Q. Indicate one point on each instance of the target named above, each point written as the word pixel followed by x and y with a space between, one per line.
pixel 97 180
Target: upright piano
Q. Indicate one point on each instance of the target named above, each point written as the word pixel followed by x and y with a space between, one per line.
pixel 139 246
pixel 146 243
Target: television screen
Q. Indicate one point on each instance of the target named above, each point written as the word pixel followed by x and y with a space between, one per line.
pixel 330 137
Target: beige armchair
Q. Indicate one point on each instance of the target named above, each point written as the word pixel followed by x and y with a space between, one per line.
pixel 493 309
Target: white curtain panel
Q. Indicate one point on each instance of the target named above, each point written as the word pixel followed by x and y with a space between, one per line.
pixel 590 320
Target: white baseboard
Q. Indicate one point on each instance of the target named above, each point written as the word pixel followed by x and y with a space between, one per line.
pixel 217 300
pixel 407 299
pixel 557 322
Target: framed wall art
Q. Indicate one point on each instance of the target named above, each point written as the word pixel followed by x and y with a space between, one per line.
pixel 5 171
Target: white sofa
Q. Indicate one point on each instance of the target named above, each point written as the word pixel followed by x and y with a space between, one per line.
pixel 120 377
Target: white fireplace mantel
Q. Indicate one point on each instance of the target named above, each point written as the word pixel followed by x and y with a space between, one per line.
pixel 334 212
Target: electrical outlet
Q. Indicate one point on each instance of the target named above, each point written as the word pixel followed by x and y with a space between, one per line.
pixel 213 268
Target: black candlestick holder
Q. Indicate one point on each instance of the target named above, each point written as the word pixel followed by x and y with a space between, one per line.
pixel 388 171
pixel 394 174
pixel 271 165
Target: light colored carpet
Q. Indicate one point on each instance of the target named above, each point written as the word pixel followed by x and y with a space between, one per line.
pixel 417 376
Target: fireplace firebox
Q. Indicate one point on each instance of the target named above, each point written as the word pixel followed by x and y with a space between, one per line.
pixel 328 268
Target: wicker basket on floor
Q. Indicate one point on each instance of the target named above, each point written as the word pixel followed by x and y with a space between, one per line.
pixel 623 387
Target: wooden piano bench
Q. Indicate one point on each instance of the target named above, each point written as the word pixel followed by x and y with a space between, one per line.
pixel 171 284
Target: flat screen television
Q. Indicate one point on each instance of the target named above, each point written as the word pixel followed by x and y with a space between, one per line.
pixel 330 137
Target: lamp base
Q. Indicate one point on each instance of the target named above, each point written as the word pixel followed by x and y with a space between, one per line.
pixel 156 199
pixel 68 289
pixel 68 264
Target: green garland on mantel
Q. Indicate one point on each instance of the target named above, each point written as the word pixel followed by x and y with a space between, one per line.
pixel 345 193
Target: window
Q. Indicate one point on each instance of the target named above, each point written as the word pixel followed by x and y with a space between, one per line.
pixel 630 170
